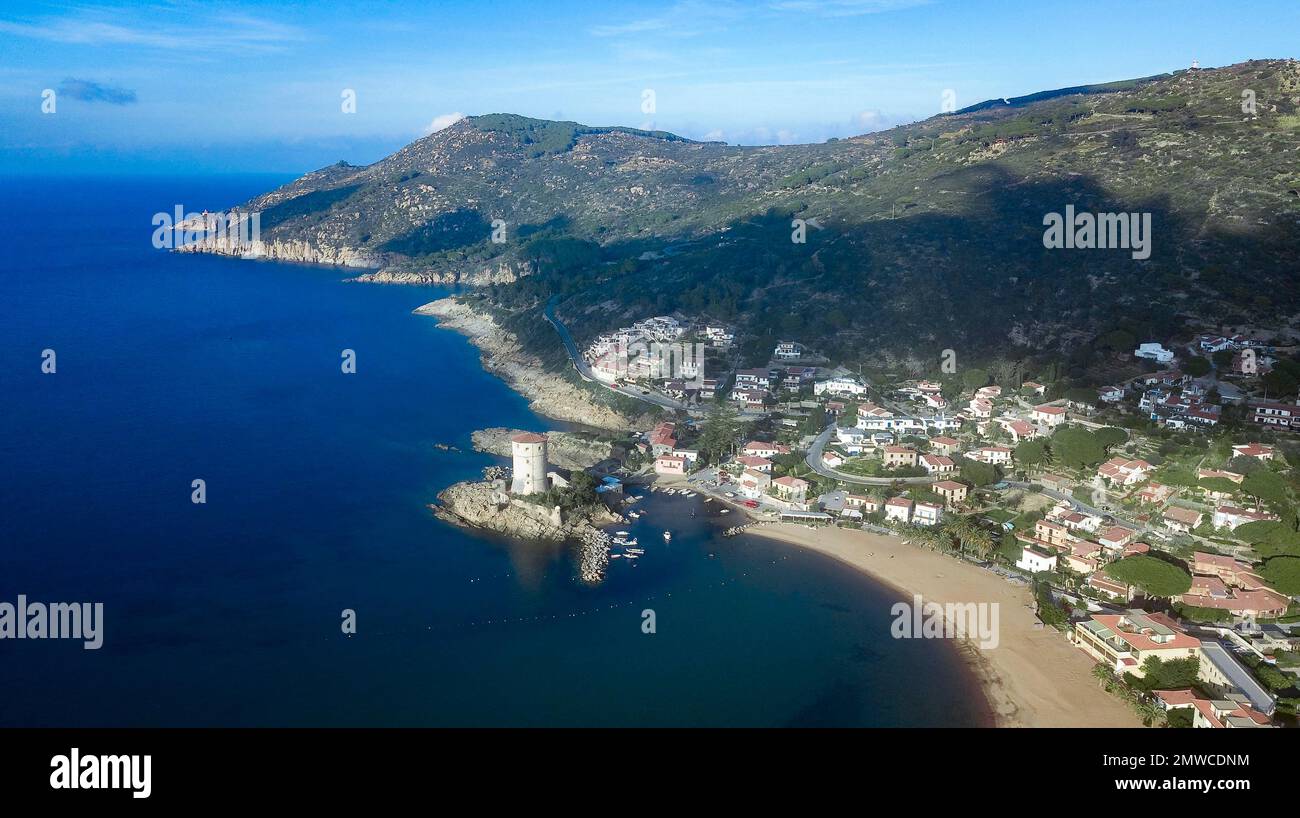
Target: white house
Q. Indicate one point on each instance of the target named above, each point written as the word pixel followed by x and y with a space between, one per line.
pixel 759 464
pixel 993 455
pixel 1111 394
pixel 1050 416
pixel 1122 472
pixel 1230 517
pixel 754 484
pixel 937 464
pixel 757 448
pixel 1019 429
pixel 1259 451
pixel 927 514
pixel 843 385
pixel 788 351
pixel 850 435
pixel 898 509
pixel 1035 559
pixel 751 398
pixel 1182 520
pixel 871 416
pixel 1153 352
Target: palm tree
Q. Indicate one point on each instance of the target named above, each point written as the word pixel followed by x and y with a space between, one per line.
pixel 1103 674
pixel 933 538
pixel 970 534
pixel 959 529
pixel 980 540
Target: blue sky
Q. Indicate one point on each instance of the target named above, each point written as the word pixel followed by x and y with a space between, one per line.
pixel 250 86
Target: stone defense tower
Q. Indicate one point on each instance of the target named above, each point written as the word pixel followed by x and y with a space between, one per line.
pixel 529 451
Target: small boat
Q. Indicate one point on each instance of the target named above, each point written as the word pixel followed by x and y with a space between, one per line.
pixel 621 533
pixel 725 511
pixel 668 535
pixel 631 556
pixel 630 542
pixel 615 556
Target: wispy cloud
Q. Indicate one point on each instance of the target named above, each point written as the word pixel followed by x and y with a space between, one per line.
pixel 687 18
pixel 229 33
pixel 443 121
pixel 845 8
pixel 90 91
pixel 692 17
pixel 633 27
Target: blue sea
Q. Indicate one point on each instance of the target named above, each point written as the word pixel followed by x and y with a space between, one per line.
pixel 172 368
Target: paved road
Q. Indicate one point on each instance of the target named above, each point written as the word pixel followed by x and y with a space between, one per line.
pixel 584 370
pixel 1078 505
pixel 814 460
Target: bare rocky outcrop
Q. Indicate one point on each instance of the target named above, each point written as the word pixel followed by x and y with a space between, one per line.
pixel 503 272
pixel 548 393
pixel 565 449
pixel 482 505
pixel 290 250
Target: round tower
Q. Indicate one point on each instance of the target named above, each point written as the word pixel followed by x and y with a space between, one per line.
pixel 529 452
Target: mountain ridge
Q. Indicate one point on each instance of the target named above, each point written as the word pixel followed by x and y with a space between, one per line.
pixel 922 228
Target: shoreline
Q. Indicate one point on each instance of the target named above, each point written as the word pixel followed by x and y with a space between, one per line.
pixel 1033 678
pixel 500 354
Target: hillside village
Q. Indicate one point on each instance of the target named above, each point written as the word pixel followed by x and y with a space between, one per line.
pixel 1155 518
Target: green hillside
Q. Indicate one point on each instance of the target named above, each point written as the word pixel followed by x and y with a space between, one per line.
pixel 923 237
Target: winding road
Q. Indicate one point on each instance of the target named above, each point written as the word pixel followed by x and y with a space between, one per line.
pixel 814 461
pixel 584 370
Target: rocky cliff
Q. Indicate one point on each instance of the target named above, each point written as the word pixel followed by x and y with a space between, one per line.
pixel 565 449
pixel 548 393
pixel 286 250
pixel 504 272
pixel 479 505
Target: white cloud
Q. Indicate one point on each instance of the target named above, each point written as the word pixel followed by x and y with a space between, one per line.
pixel 236 33
pixel 443 121
pixel 845 8
pixel 869 120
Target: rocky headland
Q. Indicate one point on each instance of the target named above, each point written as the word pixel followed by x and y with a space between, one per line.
pixel 548 393
pixel 568 450
pixel 483 505
pixel 502 272
pixel 285 250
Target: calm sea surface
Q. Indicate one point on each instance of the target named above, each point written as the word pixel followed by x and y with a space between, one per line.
pixel 172 368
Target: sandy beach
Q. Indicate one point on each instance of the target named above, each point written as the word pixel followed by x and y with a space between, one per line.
pixel 1033 678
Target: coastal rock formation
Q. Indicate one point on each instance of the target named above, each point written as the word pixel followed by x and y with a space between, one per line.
pixel 504 272
pixel 565 449
pixel 482 505
pixel 288 250
pixel 548 393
